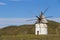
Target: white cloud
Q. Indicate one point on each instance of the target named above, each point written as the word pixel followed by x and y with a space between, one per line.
pixel 2 3
pixel 55 19
pixel 19 21
pixel 14 21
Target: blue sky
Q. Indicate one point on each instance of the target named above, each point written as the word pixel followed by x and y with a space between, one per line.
pixel 15 12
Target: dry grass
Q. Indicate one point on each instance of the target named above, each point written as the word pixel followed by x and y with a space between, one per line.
pixel 30 37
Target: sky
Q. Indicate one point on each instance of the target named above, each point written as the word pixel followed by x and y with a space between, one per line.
pixel 16 12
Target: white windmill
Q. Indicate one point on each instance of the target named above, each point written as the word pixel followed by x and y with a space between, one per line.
pixel 41 27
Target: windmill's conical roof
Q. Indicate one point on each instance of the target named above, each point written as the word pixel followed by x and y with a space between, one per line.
pixel 43 19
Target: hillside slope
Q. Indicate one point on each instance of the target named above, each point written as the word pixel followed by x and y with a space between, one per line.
pixel 28 29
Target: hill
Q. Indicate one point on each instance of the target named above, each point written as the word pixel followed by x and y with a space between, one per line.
pixel 28 30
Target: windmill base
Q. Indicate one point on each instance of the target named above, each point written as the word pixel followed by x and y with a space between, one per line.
pixel 41 29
